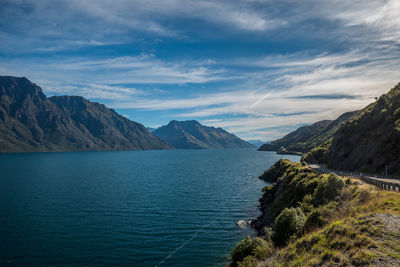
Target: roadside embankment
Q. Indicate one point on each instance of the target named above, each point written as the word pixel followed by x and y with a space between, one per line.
pixel 319 219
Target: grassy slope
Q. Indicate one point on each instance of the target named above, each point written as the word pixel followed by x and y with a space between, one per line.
pixel 358 225
pixel 362 232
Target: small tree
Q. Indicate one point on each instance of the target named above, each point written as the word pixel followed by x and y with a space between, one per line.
pixel 289 222
pixel 248 251
pixel 241 251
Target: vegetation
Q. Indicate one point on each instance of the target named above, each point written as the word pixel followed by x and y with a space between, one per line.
pixel 318 154
pixel 311 219
pixel 289 222
pixel 250 251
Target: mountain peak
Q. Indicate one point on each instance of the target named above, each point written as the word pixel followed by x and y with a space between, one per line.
pixel 172 122
pixel 19 87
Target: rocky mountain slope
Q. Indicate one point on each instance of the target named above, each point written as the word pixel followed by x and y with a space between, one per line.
pixel 307 137
pixel 29 121
pixel 193 135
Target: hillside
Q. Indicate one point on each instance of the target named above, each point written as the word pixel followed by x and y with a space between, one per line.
pixel 29 121
pixel 193 135
pixel 307 137
pixel 312 219
pixel 367 143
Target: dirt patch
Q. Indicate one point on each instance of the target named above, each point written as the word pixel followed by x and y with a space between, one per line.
pixel 391 222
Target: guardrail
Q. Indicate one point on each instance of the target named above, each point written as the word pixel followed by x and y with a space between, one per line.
pixel 384 183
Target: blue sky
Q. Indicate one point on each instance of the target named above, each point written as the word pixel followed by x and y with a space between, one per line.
pixel 258 68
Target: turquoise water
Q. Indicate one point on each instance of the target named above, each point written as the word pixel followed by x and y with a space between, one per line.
pixel 138 208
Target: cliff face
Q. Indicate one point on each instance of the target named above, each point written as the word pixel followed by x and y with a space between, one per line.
pixel 307 137
pixel 29 121
pixel 193 135
pixel 371 140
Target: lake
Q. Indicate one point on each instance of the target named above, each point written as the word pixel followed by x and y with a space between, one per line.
pixel 137 208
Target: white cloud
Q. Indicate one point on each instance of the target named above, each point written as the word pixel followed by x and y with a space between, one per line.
pixel 261 89
pixel 144 69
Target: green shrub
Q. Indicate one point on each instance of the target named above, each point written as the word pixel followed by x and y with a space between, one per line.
pixel 289 222
pixel 315 219
pixel 328 188
pixel 248 262
pixel 268 233
pixel 307 204
pixel 248 251
pixel 320 216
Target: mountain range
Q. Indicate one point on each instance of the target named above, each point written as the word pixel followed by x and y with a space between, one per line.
pixel 29 121
pixel 32 122
pixel 193 135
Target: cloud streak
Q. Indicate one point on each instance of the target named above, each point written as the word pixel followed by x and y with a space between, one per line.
pixel 256 68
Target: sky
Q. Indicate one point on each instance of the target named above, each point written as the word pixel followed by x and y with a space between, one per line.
pixel 257 68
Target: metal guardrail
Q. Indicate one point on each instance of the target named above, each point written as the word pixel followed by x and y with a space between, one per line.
pixel 385 183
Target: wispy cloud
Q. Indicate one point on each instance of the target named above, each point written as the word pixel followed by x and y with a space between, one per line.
pixel 143 69
pixel 257 68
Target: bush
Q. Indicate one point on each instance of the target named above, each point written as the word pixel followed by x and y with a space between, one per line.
pixel 289 222
pixel 320 216
pixel 307 204
pixel 249 251
pixel 328 188
pixel 315 219
pixel 268 233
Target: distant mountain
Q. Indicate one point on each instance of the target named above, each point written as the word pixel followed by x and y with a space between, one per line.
pixel 29 121
pixel 368 142
pixel 256 143
pixel 307 137
pixel 193 135
pixel 151 129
